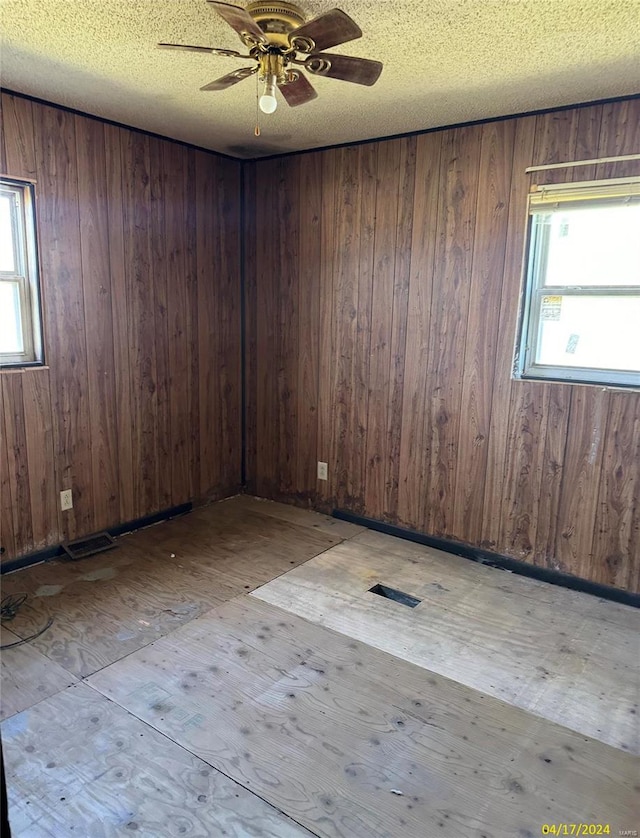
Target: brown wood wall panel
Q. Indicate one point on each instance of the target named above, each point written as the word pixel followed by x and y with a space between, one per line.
pixel 482 328
pixel 407 308
pixel 66 337
pixel 381 326
pixel 415 432
pixel 460 159
pixel 309 202
pixel 345 302
pixel 119 314
pixel 141 302
pixel 159 327
pixel 96 287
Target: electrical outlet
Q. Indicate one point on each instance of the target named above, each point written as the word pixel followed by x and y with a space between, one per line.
pixel 66 500
pixel 323 473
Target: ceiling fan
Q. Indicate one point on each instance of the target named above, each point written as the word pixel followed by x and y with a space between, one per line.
pixel 279 40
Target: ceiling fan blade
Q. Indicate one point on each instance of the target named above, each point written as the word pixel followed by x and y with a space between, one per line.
pixel 298 92
pixel 214 50
pixel 240 20
pixel 327 30
pixel 344 67
pixel 230 79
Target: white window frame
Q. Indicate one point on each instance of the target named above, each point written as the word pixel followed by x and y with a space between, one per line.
pixel 26 274
pixel 545 199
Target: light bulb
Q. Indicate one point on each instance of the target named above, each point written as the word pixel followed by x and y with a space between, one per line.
pixel 268 101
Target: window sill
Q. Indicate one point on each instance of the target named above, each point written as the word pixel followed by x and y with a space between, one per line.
pixel 23 368
pixel 614 388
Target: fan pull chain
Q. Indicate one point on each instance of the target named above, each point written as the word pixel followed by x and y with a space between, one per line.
pixel 257 128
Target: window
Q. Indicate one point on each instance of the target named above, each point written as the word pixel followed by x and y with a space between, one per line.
pixel 581 308
pixel 20 327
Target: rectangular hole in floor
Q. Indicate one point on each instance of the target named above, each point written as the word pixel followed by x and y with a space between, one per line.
pixel 396 596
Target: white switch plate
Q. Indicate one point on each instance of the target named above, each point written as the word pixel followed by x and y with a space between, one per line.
pixel 66 500
pixel 323 473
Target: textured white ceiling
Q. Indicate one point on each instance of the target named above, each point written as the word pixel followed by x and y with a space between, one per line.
pixel 446 61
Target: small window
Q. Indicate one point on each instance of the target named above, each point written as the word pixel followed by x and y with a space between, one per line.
pixel 20 326
pixel 581 308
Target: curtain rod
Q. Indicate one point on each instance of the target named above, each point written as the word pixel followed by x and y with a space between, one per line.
pixel 619 159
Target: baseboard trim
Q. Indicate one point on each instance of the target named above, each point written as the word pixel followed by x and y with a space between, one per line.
pixel 486 557
pixel 54 552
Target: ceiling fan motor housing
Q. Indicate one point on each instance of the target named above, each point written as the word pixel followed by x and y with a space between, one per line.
pixel 276 19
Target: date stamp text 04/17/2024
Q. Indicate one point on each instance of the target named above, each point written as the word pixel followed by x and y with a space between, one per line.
pixel 585 829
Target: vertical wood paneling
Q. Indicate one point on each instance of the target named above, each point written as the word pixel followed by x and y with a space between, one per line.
pixel 580 480
pixel 509 302
pixel 382 294
pixel 119 317
pixel 357 452
pixel 251 334
pixel 208 314
pixel 161 303
pixel 310 207
pixel 524 455
pixel 219 340
pixel 66 335
pixel 345 299
pixel 7 530
pixel 267 454
pixel 450 304
pixel 376 489
pixel 286 377
pixel 324 490
pixel 620 134
pixel 489 242
pixel 228 347
pixel 141 320
pixel 39 446
pixel 401 274
pixel 97 294
pixel 17 466
pixel 20 151
pixel 414 441
pixel 195 367
pixel 419 268
pixel 616 539
pixel 116 414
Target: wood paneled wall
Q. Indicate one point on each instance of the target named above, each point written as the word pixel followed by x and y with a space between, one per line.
pixel 382 297
pixel 138 408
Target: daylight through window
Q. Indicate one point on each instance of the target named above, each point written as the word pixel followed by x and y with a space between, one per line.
pixel 581 309
pixel 20 328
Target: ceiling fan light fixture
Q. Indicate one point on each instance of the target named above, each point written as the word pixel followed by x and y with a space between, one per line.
pixel 268 102
pixel 278 36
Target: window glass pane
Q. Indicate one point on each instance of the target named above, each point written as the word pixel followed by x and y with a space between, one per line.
pixel 11 340
pixel 595 331
pixel 597 245
pixel 7 254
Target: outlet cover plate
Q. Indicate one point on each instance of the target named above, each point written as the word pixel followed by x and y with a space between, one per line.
pixel 66 500
pixel 323 471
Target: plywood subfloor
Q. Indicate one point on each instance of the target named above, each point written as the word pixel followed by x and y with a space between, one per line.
pixel 350 741
pixel 81 765
pixel 27 676
pixel 159 578
pixel 563 655
pixel 204 711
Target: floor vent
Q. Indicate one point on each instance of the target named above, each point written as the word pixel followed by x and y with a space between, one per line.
pixel 85 547
pixel 396 596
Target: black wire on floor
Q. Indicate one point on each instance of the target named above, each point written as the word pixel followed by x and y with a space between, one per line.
pixel 9 607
